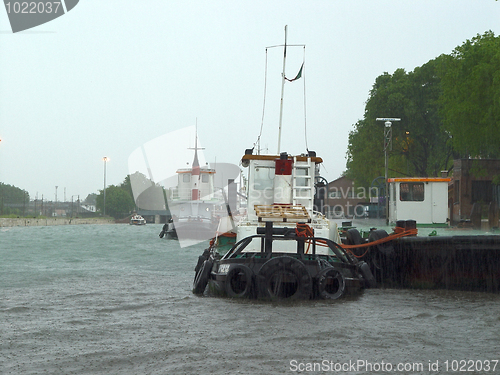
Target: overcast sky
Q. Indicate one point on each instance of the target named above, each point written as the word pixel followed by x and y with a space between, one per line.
pixel 110 76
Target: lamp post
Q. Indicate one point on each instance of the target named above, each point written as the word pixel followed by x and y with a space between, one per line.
pixel 77 204
pixel 55 204
pixel 387 148
pixel 105 159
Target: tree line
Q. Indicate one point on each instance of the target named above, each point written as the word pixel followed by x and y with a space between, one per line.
pixel 119 200
pixel 10 194
pixel 449 108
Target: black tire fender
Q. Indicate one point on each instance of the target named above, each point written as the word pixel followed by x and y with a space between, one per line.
pixel 284 266
pixel 201 259
pixel 239 281
pixel 353 237
pixel 366 272
pixel 331 284
pixel 201 278
pixel 386 248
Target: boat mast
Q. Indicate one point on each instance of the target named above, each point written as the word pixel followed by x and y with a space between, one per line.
pixel 195 169
pixel 282 91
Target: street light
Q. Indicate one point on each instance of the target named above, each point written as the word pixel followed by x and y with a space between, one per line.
pixel 78 204
pixel 105 159
pixel 55 204
pixel 387 148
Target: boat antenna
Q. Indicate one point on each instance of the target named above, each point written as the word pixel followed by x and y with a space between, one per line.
pixel 196 148
pixel 263 108
pixel 305 117
pixel 282 89
pixel 283 79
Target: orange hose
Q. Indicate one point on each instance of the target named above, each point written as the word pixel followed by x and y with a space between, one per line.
pixel 398 233
pixel 304 230
pixel 390 237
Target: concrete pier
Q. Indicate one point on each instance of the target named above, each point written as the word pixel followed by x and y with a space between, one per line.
pixel 34 222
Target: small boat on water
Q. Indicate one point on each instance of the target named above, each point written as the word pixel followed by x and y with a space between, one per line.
pixel 285 248
pixel 137 219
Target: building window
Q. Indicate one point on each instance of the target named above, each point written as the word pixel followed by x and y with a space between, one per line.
pixel 411 192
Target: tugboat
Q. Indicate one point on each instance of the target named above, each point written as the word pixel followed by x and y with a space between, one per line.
pixel 285 248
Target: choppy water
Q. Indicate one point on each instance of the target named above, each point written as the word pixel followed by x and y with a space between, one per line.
pixel 115 299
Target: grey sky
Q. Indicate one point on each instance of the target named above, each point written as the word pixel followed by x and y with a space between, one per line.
pixel 110 76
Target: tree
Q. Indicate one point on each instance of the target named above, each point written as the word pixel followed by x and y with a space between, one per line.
pixel 426 145
pixel 119 203
pixel 420 145
pixel 365 156
pixel 470 104
pixel 127 185
pixel 13 194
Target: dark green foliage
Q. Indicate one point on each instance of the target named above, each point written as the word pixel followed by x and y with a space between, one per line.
pixel 119 201
pixel 449 107
pixel 12 194
pixel 420 146
pixel 470 104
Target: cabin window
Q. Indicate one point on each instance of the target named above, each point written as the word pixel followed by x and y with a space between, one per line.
pixel 186 177
pixel 204 177
pixel 263 178
pixel 411 192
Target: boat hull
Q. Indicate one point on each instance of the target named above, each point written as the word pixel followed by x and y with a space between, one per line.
pixel 192 229
pixel 272 274
pixel 283 282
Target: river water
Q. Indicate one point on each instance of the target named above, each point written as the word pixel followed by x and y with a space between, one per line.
pixel 116 299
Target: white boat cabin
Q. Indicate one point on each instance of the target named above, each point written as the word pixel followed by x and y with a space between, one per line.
pixel 424 200
pixel 280 188
pixel 195 184
pixel 283 183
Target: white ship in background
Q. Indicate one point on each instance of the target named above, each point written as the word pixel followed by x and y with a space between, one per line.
pixel 193 203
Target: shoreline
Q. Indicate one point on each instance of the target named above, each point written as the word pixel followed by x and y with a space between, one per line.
pixel 36 222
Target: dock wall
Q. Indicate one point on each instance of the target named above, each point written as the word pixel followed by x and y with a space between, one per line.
pixel 34 222
pixel 440 262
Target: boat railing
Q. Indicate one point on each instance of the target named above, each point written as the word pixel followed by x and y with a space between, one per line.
pixel 306 247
